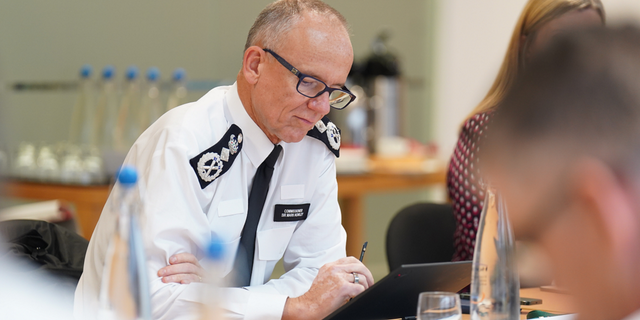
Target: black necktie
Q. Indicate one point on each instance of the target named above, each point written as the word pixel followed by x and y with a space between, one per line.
pixel 241 275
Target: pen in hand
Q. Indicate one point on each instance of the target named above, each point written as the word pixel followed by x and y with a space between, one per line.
pixel 364 249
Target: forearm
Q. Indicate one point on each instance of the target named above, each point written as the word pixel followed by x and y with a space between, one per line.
pixel 175 300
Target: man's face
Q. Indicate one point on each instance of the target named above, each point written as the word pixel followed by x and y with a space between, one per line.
pixel 317 47
pixel 548 205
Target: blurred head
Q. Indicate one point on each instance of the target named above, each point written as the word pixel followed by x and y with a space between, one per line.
pixel 312 37
pixel 564 150
pixel 539 22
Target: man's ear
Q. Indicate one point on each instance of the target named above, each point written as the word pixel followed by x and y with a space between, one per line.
pixel 253 58
pixel 609 202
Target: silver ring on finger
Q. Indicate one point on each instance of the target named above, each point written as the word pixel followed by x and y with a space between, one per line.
pixel 356 279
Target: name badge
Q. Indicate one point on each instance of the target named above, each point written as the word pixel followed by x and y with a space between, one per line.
pixel 291 212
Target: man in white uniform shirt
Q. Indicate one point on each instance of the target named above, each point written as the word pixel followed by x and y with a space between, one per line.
pixel 564 150
pixel 197 165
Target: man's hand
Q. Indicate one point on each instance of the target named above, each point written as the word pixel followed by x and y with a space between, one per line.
pixel 332 288
pixel 184 268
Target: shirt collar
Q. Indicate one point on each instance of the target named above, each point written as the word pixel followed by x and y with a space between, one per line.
pixel 256 144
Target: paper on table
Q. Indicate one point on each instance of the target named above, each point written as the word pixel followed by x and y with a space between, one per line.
pixel 45 210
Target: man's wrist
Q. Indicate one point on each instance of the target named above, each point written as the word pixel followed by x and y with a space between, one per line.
pixel 293 310
pixel 289 311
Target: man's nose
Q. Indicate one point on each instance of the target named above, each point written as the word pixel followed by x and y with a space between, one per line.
pixel 320 104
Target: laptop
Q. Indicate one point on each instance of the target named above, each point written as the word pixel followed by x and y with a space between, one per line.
pixel 396 295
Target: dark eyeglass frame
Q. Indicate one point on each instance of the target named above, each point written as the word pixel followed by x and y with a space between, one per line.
pixel 301 76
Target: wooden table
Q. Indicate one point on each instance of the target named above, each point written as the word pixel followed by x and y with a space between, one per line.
pixel 552 302
pixel 88 200
pixel 352 189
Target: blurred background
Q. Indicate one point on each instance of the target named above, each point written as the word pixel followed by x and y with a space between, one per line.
pixel 421 66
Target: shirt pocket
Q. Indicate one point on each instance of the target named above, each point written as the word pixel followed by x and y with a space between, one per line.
pixel 230 207
pixel 273 242
pixel 293 191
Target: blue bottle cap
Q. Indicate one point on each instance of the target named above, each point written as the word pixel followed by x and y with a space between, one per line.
pixel 132 73
pixel 108 72
pixel 85 71
pixel 178 74
pixel 127 176
pixel 215 249
pixel 153 74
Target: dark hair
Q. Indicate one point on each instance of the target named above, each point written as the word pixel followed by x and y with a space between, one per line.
pixel 583 91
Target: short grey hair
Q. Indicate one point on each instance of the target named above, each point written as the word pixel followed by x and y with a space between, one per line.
pixel 279 17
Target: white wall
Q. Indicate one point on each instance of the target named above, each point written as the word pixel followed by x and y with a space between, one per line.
pixel 471 40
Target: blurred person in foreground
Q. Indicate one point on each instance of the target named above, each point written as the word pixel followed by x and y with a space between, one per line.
pixel 539 22
pixel 565 152
pixel 199 163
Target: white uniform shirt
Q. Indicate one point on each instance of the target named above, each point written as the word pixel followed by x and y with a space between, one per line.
pixel 180 216
pixel 633 316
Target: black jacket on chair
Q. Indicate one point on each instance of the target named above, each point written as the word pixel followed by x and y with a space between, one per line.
pixel 44 246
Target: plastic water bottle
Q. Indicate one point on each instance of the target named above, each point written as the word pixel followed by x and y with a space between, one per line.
pixel 151 106
pixel 128 122
pixel 124 293
pixel 93 166
pixel 495 285
pixel 179 91
pixel 213 264
pixel 81 129
pixel 106 110
pixel 81 135
pixel 71 168
pixel 4 162
pixel 24 164
pixel 47 163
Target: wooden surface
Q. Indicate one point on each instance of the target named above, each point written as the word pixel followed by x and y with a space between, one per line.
pixel 89 200
pixel 552 302
pixel 352 190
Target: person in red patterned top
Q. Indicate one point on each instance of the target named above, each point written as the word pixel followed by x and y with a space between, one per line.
pixel 465 188
pixel 540 21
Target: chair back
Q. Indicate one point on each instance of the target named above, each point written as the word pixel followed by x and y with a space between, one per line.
pixel 421 233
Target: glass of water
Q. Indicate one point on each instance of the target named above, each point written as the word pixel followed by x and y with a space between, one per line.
pixel 439 306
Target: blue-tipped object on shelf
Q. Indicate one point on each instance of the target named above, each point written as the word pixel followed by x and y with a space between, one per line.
pixel 179 74
pixel 132 72
pixel 153 74
pixel 108 72
pixel 85 71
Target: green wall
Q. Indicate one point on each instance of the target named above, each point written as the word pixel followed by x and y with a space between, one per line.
pixel 43 40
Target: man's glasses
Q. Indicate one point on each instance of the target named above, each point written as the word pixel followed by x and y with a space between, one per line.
pixel 311 87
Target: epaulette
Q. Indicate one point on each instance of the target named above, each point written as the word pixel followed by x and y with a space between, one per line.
pixel 215 161
pixel 327 132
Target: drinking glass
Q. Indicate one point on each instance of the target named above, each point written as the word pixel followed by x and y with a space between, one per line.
pixel 439 306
